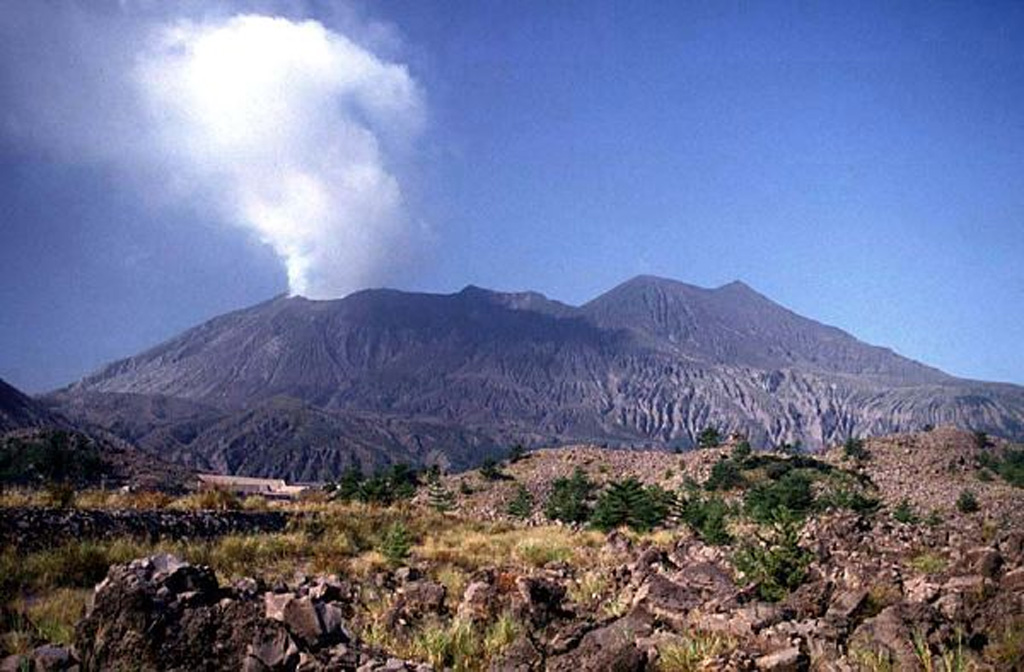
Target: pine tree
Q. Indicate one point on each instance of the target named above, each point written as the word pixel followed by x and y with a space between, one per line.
pixel 521 505
pixel 441 498
pixel 629 503
pixel 396 544
pixel 570 498
pixel 709 437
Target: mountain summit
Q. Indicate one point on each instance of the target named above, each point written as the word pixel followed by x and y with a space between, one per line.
pixel 383 375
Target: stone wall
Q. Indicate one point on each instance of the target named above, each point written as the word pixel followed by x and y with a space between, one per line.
pixel 31 528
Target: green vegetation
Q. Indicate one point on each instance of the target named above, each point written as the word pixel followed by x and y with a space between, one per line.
pixel 384 487
pixel 516 453
pixel 51 457
pixel 791 492
pixel 709 437
pixel 396 544
pixel 491 470
pixel 570 499
pixel 725 475
pixel 521 505
pixel 967 502
pixel 1010 467
pixel 854 449
pixel 708 518
pixel 441 499
pixel 904 513
pixel 629 503
pixel 742 451
pixel 775 563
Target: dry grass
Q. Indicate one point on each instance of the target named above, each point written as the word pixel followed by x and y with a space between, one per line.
pixel 693 652
pixel 500 544
pixel 45 590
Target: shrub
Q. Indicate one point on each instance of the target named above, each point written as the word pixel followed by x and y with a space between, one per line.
pixel 854 449
pixel 384 487
pixel 629 503
pixel 1010 468
pixel 742 451
pixel 707 518
pixel 396 543
pixel 928 563
pixel 57 456
pixel 852 499
pixel 347 488
pixel 490 470
pixel 904 513
pixel 787 448
pixel 967 502
pixel 982 440
pixel 709 437
pixel 791 493
pixel 521 505
pixel 694 651
pixel 516 453
pixel 213 499
pixel 776 563
pixel 725 475
pixel 569 500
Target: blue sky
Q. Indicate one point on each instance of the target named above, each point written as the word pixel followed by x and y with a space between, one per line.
pixel 859 163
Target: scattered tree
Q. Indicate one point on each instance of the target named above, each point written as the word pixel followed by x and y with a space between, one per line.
pixel 521 505
pixel 854 449
pixel 776 563
pixel 441 499
pixel 516 453
pixel 709 437
pixel 396 544
pixel 742 450
pixel 707 518
pixel 490 470
pixel 791 493
pixel 569 500
pixel 726 474
pixel 629 503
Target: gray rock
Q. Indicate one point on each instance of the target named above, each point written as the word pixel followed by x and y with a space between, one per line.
pixel 790 659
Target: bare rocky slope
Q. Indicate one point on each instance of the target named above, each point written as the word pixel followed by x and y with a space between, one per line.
pixel 297 388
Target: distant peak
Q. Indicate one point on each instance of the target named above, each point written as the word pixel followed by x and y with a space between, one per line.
pixel 736 285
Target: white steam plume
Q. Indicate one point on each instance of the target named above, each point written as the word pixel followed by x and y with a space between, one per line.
pixel 284 127
pixel 289 122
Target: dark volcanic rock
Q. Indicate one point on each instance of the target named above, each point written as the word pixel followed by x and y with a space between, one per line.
pixel 160 613
pixel 31 528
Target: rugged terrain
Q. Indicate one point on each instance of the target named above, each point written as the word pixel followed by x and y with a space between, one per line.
pixel 299 388
pixel 909 577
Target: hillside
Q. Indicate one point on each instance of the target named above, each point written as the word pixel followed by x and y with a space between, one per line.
pixel 385 376
pixel 20 411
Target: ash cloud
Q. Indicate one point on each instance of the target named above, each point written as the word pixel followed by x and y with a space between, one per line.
pixel 280 125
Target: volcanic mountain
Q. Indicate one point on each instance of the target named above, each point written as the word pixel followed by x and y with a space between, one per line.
pixel 301 388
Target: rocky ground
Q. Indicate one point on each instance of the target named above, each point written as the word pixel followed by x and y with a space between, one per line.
pixel 913 584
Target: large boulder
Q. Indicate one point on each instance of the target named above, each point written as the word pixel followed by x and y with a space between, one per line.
pixel 161 613
pixel 612 648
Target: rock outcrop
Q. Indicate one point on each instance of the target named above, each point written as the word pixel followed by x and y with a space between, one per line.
pixel 160 613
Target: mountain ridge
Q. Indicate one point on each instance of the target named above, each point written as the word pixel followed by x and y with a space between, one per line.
pixel 649 362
